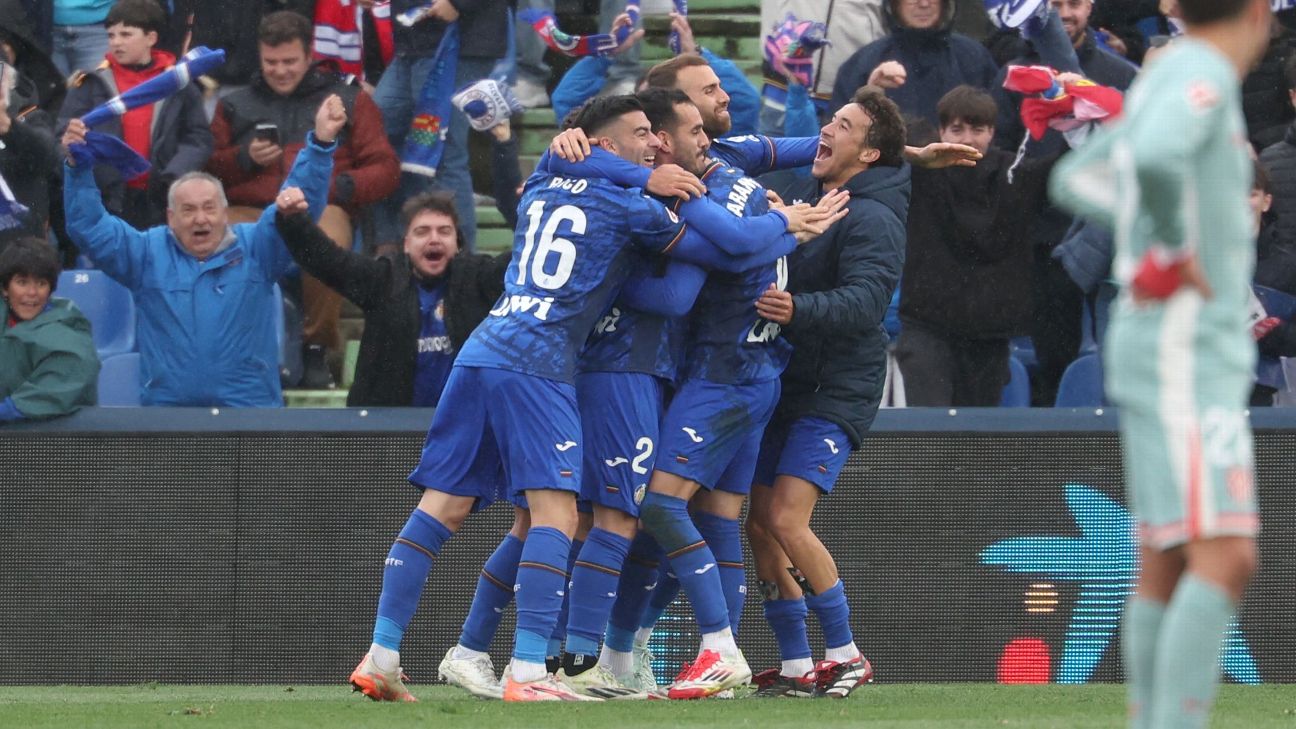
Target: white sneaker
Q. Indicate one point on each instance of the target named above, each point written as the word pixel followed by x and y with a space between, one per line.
pixel 641 677
pixel 531 94
pixel 474 675
pixel 600 683
pixel 710 674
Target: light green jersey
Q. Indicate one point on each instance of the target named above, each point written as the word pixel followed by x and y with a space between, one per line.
pixel 1174 172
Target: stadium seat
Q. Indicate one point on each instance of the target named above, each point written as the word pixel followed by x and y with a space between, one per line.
pixel 107 304
pixel 119 381
pixel 1016 394
pixel 1082 383
pixel 1023 349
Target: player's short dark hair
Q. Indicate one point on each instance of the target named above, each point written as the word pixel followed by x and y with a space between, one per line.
pixel 146 15
pixel 1197 12
pixel 665 75
pixel 29 257
pixel 435 201
pixel 1261 180
pixel 285 26
pixel 974 106
pixel 887 132
pixel 659 105
pixel 600 111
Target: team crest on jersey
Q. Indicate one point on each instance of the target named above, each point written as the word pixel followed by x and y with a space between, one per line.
pixel 640 491
pixel 439 312
pixel 1202 97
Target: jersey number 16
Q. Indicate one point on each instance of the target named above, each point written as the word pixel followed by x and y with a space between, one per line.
pixel 536 254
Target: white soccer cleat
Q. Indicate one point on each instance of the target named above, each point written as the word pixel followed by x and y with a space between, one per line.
pixel 548 688
pixel 641 676
pixel 378 684
pixel 710 674
pixel 474 675
pixel 600 683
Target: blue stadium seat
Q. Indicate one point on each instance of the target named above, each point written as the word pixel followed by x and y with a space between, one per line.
pixel 1082 383
pixel 1016 394
pixel 119 381
pixel 1023 349
pixel 107 304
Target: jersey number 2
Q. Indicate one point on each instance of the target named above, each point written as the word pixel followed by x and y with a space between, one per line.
pixel 536 253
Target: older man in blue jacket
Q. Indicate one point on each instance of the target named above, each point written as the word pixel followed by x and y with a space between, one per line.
pixel 203 288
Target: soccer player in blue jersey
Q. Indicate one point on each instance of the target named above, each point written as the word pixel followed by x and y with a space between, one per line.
pixel 832 311
pixel 513 380
pixel 510 402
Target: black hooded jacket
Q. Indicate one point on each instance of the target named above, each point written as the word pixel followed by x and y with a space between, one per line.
pixel 841 284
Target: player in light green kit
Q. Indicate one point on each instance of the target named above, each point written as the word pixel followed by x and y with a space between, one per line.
pixel 1172 178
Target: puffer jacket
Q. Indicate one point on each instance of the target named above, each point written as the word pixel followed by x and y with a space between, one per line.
pixel 841 285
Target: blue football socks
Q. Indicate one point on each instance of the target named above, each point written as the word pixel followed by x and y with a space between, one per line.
pixel 834 617
pixel 541 586
pixel 724 536
pixel 494 593
pixel 406 571
pixel 787 620
pixel 667 519
pixel 638 579
pixel 595 576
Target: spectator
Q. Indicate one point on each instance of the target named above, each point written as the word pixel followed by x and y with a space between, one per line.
pixel 20 47
pixel 172 134
pixel 419 306
pixel 1279 159
pixel 203 288
pixel 260 129
pixel 29 158
pixel 967 273
pixel 356 37
pixel 48 364
pixel 483 38
pixel 1059 303
pixel 78 38
pixel 1275 269
pixel 919 60
pixel 230 25
pixel 1265 101
pixel 852 24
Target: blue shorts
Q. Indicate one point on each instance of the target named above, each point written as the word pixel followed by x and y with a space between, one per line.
pixel 811 449
pixel 711 433
pixel 495 427
pixel 619 418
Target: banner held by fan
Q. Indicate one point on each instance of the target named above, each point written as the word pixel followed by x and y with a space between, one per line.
pixel 425 142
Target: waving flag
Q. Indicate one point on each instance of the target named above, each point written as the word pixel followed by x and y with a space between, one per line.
pixel 487 103
pixel 12 212
pixel 791 46
pixel 1060 106
pixel 113 151
pixel 425 142
pixel 596 44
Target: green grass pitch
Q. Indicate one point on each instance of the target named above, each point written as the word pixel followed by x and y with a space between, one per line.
pixel 905 706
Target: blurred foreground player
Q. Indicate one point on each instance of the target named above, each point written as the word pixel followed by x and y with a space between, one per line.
pixel 1179 356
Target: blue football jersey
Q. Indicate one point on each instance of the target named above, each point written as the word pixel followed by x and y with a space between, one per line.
pixel 729 342
pixel 629 340
pixel 574 247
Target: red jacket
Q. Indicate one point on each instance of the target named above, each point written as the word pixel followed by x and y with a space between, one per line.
pixel 339 37
pixel 365 168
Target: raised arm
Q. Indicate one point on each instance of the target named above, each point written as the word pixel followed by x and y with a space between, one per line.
pixel 118 249
pixel 758 154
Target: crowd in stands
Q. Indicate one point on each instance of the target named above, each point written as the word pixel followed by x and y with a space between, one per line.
pixel 330 96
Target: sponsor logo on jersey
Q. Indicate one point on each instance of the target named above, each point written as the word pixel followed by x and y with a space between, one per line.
pixel 692 434
pixel 435 345
pixel 614 462
pixel 533 305
pixel 564 447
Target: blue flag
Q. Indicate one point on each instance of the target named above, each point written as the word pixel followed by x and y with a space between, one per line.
pixel 425 142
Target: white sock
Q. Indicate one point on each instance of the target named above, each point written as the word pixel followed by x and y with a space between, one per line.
pixel 642 635
pixel 386 659
pixel 467 654
pixel 526 671
pixel 797 667
pixel 721 642
pixel 620 664
pixel 843 654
